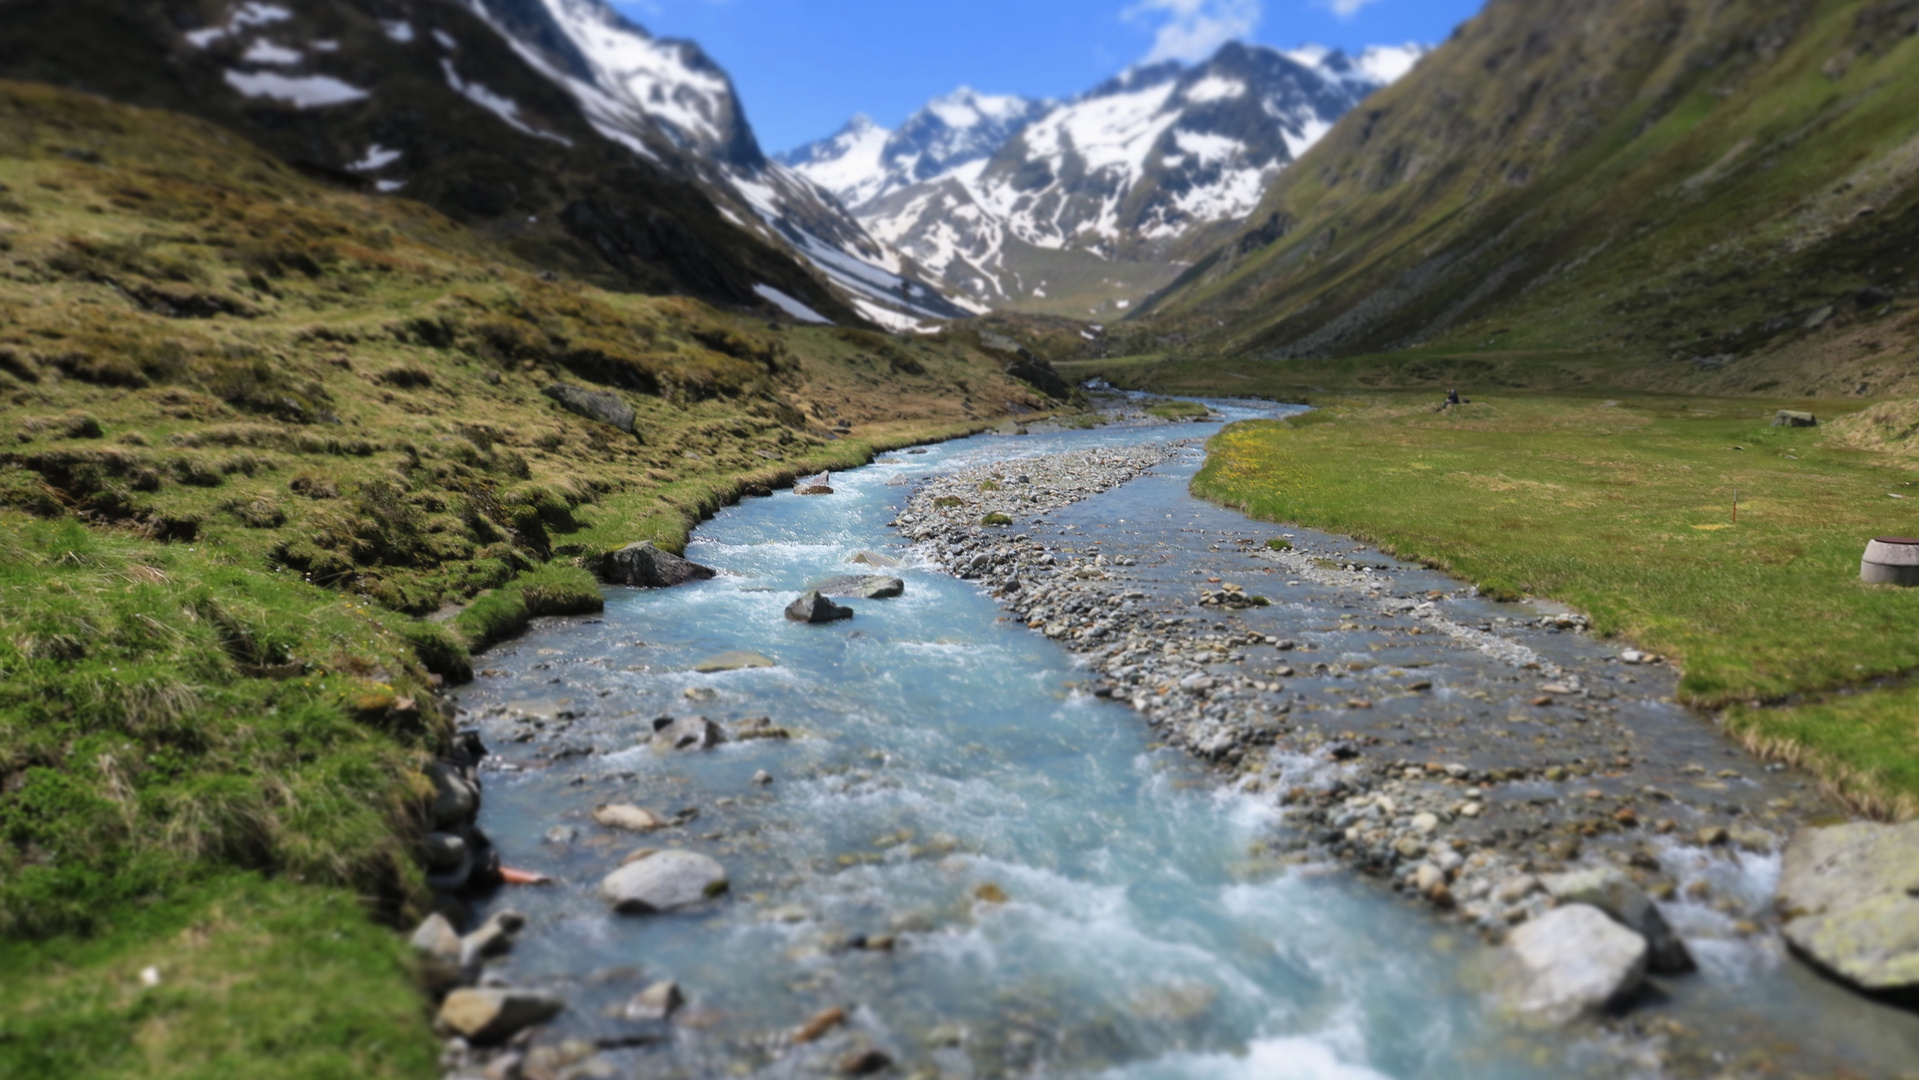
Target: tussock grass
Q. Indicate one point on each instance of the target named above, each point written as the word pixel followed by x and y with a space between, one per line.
pixel 1626 510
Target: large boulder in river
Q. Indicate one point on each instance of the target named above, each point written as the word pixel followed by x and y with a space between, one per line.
pixel 814 608
pixel 1611 891
pixel 601 405
pixel 645 566
pixel 864 586
pixel 1572 961
pixel 1850 895
pixel 686 733
pixel 663 881
pixel 495 1015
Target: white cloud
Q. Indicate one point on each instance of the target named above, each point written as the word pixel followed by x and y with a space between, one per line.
pixel 1346 9
pixel 1192 30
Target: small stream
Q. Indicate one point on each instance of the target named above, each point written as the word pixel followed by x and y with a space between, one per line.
pixel 993 872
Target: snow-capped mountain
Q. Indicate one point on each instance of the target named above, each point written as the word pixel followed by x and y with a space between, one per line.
pixel 1093 201
pixel 668 100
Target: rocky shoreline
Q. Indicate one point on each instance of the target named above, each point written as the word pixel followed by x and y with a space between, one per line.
pixel 1511 836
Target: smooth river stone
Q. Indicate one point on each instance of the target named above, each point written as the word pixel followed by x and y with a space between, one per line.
pixel 814 608
pixel 1572 961
pixel 736 660
pixel 864 586
pixel 492 1016
pixel 1611 891
pixel 1850 894
pixel 663 881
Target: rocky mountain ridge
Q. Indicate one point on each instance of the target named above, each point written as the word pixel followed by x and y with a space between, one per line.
pixel 1081 206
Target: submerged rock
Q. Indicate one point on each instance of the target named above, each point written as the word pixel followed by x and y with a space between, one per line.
pixel 1570 962
pixel 736 660
pixel 1850 895
pixel 656 1002
pixel 873 558
pixel 663 881
pixel 644 565
pixel 629 817
pixel 1611 891
pixel 814 608
pixel 864 586
pixel 495 1015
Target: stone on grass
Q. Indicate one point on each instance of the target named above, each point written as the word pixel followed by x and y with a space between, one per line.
pixel 663 881
pixel 492 1015
pixel 814 608
pixel 629 817
pixel 1793 418
pixel 864 586
pixel 601 405
pixel 1611 891
pixel 1850 895
pixel 736 660
pixel 645 566
pixel 1572 961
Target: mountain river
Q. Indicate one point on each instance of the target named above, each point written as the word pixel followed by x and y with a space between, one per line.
pixel 992 871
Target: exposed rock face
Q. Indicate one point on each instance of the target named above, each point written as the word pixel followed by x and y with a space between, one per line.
pixel 663 881
pixel 814 608
pixel 1850 895
pixel 601 405
pixel 864 586
pixel 1571 962
pixel 645 566
pixel 1611 891
pixel 492 1016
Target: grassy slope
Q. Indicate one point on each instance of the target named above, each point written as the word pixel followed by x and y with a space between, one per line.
pixel 1624 508
pixel 1665 183
pixel 254 427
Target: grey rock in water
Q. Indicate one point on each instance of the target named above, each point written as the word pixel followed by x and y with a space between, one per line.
pixel 495 937
pixel 455 798
pixel 601 405
pixel 629 817
pixel 864 586
pixel 814 608
pixel 656 1002
pixel 1611 891
pixel 686 733
pixel 663 881
pixel 645 566
pixel 494 1015
pixel 1572 961
pixel 1850 895
pixel 874 558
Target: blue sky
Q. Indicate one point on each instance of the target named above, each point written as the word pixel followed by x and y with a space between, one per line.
pixel 804 67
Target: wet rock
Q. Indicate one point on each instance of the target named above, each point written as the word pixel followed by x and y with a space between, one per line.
pixel 629 817
pixel 495 937
pixel 489 1016
pixel 863 586
pixel 656 1002
pixel 645 566
pixel 444 852
pixel 814 608
pixel 602 405
pixel 686 733
pixel 562 834
pixel 819 1024
pixel 663 881
pixel 864 1062
pixel 1570 962
pixel 1611 891
pixel 1850 894
pixel 873 558
pixel 438 946
pixel 736 660
pixel 455 798
pixel 762 778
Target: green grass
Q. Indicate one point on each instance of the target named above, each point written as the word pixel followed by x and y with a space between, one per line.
pixel 1177 410
pixel 219 533
pixel 1625 510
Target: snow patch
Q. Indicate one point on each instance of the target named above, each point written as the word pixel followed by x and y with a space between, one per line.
pixel 388 187
pixel 789 305
pixel 377 157
pixel 399 30
pixel 301 91
pixel 1214 88
pixel 505 108
pixel 446 41
pixel 266 52
pixel 248 14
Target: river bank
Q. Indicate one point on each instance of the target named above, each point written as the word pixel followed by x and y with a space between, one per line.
pixel 1478 776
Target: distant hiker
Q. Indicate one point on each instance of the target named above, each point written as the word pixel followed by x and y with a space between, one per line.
pixel 1452 397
